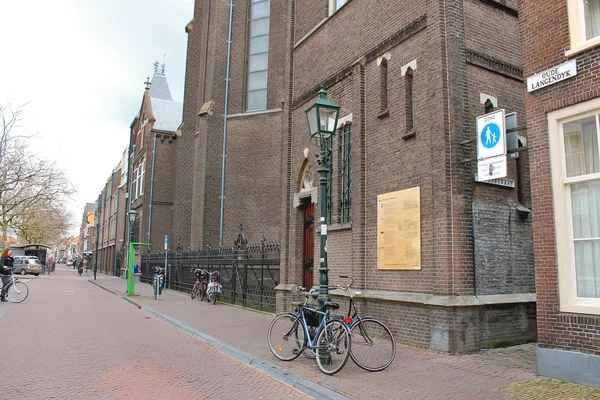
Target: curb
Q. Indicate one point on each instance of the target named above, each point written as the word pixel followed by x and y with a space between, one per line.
pixel 296 381
pixel 127 299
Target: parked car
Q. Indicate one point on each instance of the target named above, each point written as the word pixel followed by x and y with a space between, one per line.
pixel 27 265
pixel 69 263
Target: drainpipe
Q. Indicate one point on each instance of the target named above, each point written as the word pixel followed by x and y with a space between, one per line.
pixel 106 251
pixel 151 190
pixel 103 228
pixel 116 230
pixel 225 123
pixel 130 195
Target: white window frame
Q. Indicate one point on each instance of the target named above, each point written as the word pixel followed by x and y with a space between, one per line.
pixel 134 190
pixel 333 6
pixel 577 29
pixel 567 282
pixel 142 175
pixel 251 71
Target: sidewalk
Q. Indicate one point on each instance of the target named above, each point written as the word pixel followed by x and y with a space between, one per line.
pixel 415 373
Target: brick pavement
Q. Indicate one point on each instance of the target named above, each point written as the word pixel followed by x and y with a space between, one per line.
pixel 72 340
pixel 415 374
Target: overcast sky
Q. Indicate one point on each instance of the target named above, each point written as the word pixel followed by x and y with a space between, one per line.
pixel 81 65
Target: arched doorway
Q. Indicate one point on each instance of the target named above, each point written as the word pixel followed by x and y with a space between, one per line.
pixel 305 200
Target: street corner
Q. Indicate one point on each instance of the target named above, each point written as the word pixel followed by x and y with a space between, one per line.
pixel 549 389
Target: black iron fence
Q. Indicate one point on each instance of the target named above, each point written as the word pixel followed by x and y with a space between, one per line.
pixel 249 273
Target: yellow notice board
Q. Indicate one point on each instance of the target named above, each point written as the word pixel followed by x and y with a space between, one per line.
pixel 399 229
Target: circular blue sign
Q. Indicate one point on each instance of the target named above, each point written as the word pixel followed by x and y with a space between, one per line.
pixel 490 135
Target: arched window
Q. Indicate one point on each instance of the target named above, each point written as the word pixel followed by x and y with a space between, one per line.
pixel 258 57
pixel 488 106
pixel 408 87
pixel 383 81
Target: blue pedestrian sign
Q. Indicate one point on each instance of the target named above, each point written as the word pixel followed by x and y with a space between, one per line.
pixel 491 135
pixel 166 242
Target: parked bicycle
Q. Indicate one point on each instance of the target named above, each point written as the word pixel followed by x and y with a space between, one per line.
pixel 16 290
pixel 289 335
pixel 214 288
pixel 158 281
pixel 199 289
pixel 373 346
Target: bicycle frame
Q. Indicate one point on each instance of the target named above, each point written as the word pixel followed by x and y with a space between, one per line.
pixel 11 283
pixel 321 326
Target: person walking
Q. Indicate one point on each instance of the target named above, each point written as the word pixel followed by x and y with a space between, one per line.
pixel 6 266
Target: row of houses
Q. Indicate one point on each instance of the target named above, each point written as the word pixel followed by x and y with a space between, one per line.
pixel 449 261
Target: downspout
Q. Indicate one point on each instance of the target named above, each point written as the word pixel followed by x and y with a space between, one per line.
pixel 112 180
pixel 103 228
pixel 116 230
pixel 151 190
pixel 130 195
pixel 225 123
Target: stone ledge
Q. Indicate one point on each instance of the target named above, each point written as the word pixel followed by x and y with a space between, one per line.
pixel 429 299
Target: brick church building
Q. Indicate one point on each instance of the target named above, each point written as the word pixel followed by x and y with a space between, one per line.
pixel 411 77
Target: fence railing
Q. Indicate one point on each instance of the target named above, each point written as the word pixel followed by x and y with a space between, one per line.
pixel 249 273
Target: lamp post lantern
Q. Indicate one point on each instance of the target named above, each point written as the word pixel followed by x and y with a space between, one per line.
pixel 322 123
pixel 132 214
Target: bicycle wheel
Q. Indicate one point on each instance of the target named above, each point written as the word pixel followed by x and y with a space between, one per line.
pixel 202 292
pixel 334 347
pixel 373 346
pixel 214 298
pixel 194 291
pixel 286 337
pixel 18 292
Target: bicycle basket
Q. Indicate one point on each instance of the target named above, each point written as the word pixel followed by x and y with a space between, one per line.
pixel 311 316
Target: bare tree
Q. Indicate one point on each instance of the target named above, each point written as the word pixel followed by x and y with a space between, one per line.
pixel 44 224
pixel 30 187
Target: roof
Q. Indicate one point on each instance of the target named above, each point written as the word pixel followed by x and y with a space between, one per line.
pixel 30 245
pixel 159 88
pixel 168 114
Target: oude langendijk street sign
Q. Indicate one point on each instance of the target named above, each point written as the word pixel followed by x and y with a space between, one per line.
pixel 552 76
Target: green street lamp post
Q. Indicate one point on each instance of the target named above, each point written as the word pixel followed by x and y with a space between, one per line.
pixel 322 123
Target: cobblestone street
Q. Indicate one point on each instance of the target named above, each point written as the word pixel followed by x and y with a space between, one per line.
pixel 72 340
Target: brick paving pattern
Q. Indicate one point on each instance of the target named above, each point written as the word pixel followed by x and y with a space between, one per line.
pixel 90 344
pixel 72 340
pixel 415 373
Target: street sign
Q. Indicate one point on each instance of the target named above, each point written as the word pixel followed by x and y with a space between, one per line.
pixel 552 75
pixel 492 168
pixel 491 135
pixel 166 242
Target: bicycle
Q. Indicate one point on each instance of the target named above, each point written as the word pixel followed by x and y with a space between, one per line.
pixel 373 346
pixel 289 336
pixel 15 290
pixel 199 289
pixel 158 281
pixel 214 288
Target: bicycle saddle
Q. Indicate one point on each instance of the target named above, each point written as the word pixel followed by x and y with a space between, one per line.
pixel 331 305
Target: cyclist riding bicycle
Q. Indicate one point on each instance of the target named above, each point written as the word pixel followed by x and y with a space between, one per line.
pixel 6 267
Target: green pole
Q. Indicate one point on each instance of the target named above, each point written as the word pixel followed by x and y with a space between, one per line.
pixel 130 284
pixel 323 270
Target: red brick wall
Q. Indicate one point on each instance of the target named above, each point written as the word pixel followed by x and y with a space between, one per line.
pixel 545 37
